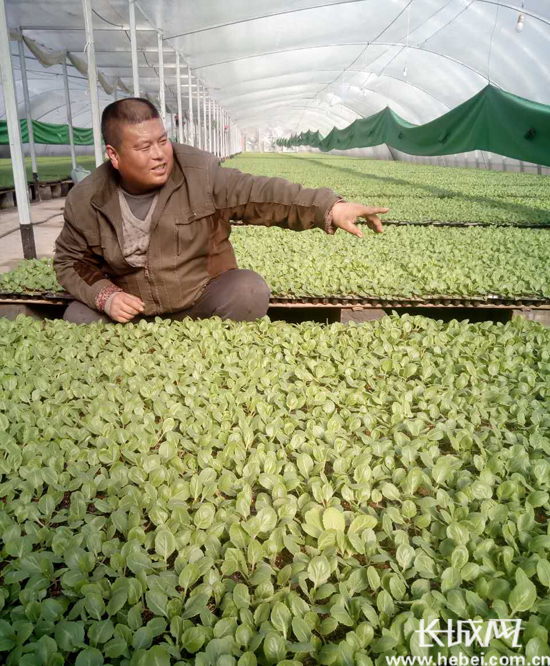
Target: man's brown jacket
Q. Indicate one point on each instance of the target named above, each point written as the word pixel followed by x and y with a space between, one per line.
pixel 190 229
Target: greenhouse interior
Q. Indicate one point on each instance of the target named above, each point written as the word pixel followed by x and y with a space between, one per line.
pixel 225 443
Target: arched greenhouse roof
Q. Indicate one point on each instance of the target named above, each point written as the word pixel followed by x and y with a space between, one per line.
pixel 287 67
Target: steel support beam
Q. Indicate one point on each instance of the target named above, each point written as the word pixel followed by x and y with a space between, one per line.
pixel 32 146
pixel 162 92
pixel 14 134
pixel 69 114
pixel 92 81
pixel 191 118
pixel 133 42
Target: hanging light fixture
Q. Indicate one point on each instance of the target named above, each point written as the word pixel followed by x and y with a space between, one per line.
pixel 521 19
pixel 405 71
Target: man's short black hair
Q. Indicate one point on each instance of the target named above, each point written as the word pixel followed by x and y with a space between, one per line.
pixel 131 110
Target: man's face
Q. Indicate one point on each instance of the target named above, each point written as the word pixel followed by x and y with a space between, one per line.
pixel 144 157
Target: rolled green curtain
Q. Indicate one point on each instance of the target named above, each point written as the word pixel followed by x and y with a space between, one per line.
pixel 493 120
pixel 48 133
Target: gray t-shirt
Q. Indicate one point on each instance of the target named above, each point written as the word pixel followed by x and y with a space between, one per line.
pixel 139 203
pixel 137 213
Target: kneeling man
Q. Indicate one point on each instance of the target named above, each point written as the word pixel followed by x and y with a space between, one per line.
pixel 147 233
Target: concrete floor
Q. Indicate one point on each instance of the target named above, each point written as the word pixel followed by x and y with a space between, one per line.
pixel 48 218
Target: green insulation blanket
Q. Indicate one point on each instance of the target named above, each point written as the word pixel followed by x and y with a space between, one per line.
pixel 492 120
pixel 49 134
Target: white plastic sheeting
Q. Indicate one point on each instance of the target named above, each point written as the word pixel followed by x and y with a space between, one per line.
pixel 286 66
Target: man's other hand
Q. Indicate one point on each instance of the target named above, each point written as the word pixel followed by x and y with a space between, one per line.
pixel 124 307
pixel 345 215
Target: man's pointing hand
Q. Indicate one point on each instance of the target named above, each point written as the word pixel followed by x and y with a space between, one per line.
pixel 345 215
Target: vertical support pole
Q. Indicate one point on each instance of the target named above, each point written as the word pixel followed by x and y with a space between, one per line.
pixel 191 122
pixel 229 137
pixel 539 169
pixel 69 113
pixel 32 146
pixel 216 129
pixel 220 112
pixel 115 92
pixel 521 166
pixel 14 134
pixel 210 149
pixel 227 134
pixel 199 122
pixel 205 127
pixel 162 96
pixel 178 89
pixel 92 81
pixel 219 129
pixel 133 42
pixel 224 134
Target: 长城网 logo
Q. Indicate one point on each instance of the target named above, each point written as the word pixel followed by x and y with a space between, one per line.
pixel 468 632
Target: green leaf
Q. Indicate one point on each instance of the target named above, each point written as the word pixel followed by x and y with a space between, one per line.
pixel 139 562
pixel 117 601
pixel 101 632
pixel 204 516
pixel 142 638
pixel 281 618
pixel 241 596
pixel 333 519
pixel 267 519
pixel 189 576
pixel 536 647
pixel 450 579
pixel 362 522
pixel 45 648
pixel 318 570
pixel 384 644
pixel 391 492
pixel 165 543
pixel 157 656
pixel 95 605
pixel 69 635
pixel 341 615
pixel 543 572
pixel 524 594
pixel 301 629
pixel 115 648
pixel 156 602
pixel 89 657
pixel 193 639
pixel 195 605
pixel 274 647
pixel 405 556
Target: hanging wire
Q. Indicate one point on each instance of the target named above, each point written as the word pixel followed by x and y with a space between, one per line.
pixel 491 44
pixel 371 63
pixel 405 70
pixel 465 9
pixel 521 18
pixel 391 23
